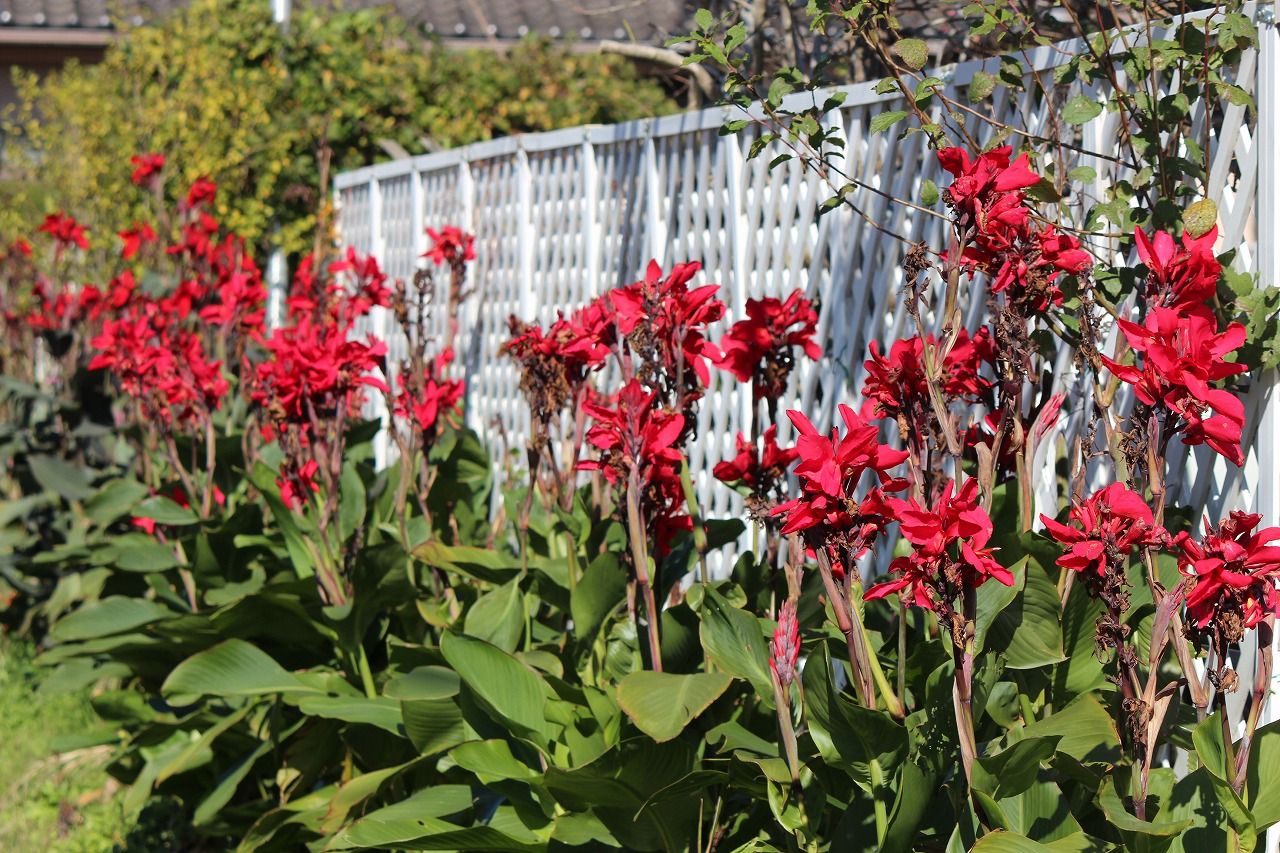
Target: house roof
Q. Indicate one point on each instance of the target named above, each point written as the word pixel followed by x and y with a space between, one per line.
pixel 477 21
pixel 587 20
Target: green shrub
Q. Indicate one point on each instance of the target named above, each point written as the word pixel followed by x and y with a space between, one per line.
pixel 221 90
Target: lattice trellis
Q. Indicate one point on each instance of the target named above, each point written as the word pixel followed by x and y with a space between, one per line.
pixel 559 217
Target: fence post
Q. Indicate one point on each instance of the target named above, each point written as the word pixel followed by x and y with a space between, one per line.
pixel 656 223
pixel 593 228
pixel 524 228
pixel 1265 145
pixel 738 234
pixel 378 321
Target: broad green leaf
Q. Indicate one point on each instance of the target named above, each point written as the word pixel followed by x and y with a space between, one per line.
pixel 1014 769
pixel 191 757
pixel 846 733
pixel 480 563
pixel 385 827
pixel 113 615
pixel 498 616
pixel 492 761
pixel 436 834
pixel 70 481
pixel 356 791
pixel 1028 631
pixel 423 682
pixel 222 793
pixel 735 643
pixel 115 499
pixel 137 552
pixel 433 725
pixel 910 805
pixel 352 502
pixel 993 599
pixel 1001 841
pixel 599 592
pixel 233 668
pixel 663 704
pixel 165 510
pixel 615 786
pixel 1193 799
pixel 1207 737
pixel 1081 672
pixel 381 712
pixel 503 684
pixel 1039 810
pixel 1112 803
pixel 577 829
pixel 291 524
pixel 1263 779
pixel 1087 732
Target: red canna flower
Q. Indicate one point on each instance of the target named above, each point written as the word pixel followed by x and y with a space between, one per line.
pixel 949 552
pixel 134 237
pixel 450 245
pixel 784 649
pixel 65 230
pixel 315 372
pixel 998 236
pixel 1185 275
pixel 370 284
pixel 433 398
pixel 760 348
pixel 298 483
pixel 146 167
pixel 635 433
pixel 1112 522
pixel 1182 353
pixel 166 369
pixel 1235 571
pixel 63 309
pixel 199 236
pixel 896 383
pixel 203 191
pixel 665 324
pixel 240 300
pixel 761 472
pixel 987 192
pixel 830 471
pixel 635 436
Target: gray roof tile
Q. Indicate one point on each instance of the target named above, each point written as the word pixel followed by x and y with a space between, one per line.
pixel 645 20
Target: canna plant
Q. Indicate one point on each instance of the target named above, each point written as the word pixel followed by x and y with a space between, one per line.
pixel 302 649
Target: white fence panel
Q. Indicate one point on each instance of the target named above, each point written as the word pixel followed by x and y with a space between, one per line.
pixel 561 216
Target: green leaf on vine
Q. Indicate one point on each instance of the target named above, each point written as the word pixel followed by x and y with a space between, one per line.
pixel 1200 217
pixel 913 52
pixel 981 86
pixel 928 193
pixel 884 121
pixel 1080 109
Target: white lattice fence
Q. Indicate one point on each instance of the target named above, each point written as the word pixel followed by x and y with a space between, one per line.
pixel 559 217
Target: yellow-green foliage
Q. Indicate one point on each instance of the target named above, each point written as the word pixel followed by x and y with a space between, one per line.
pixel 221 91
